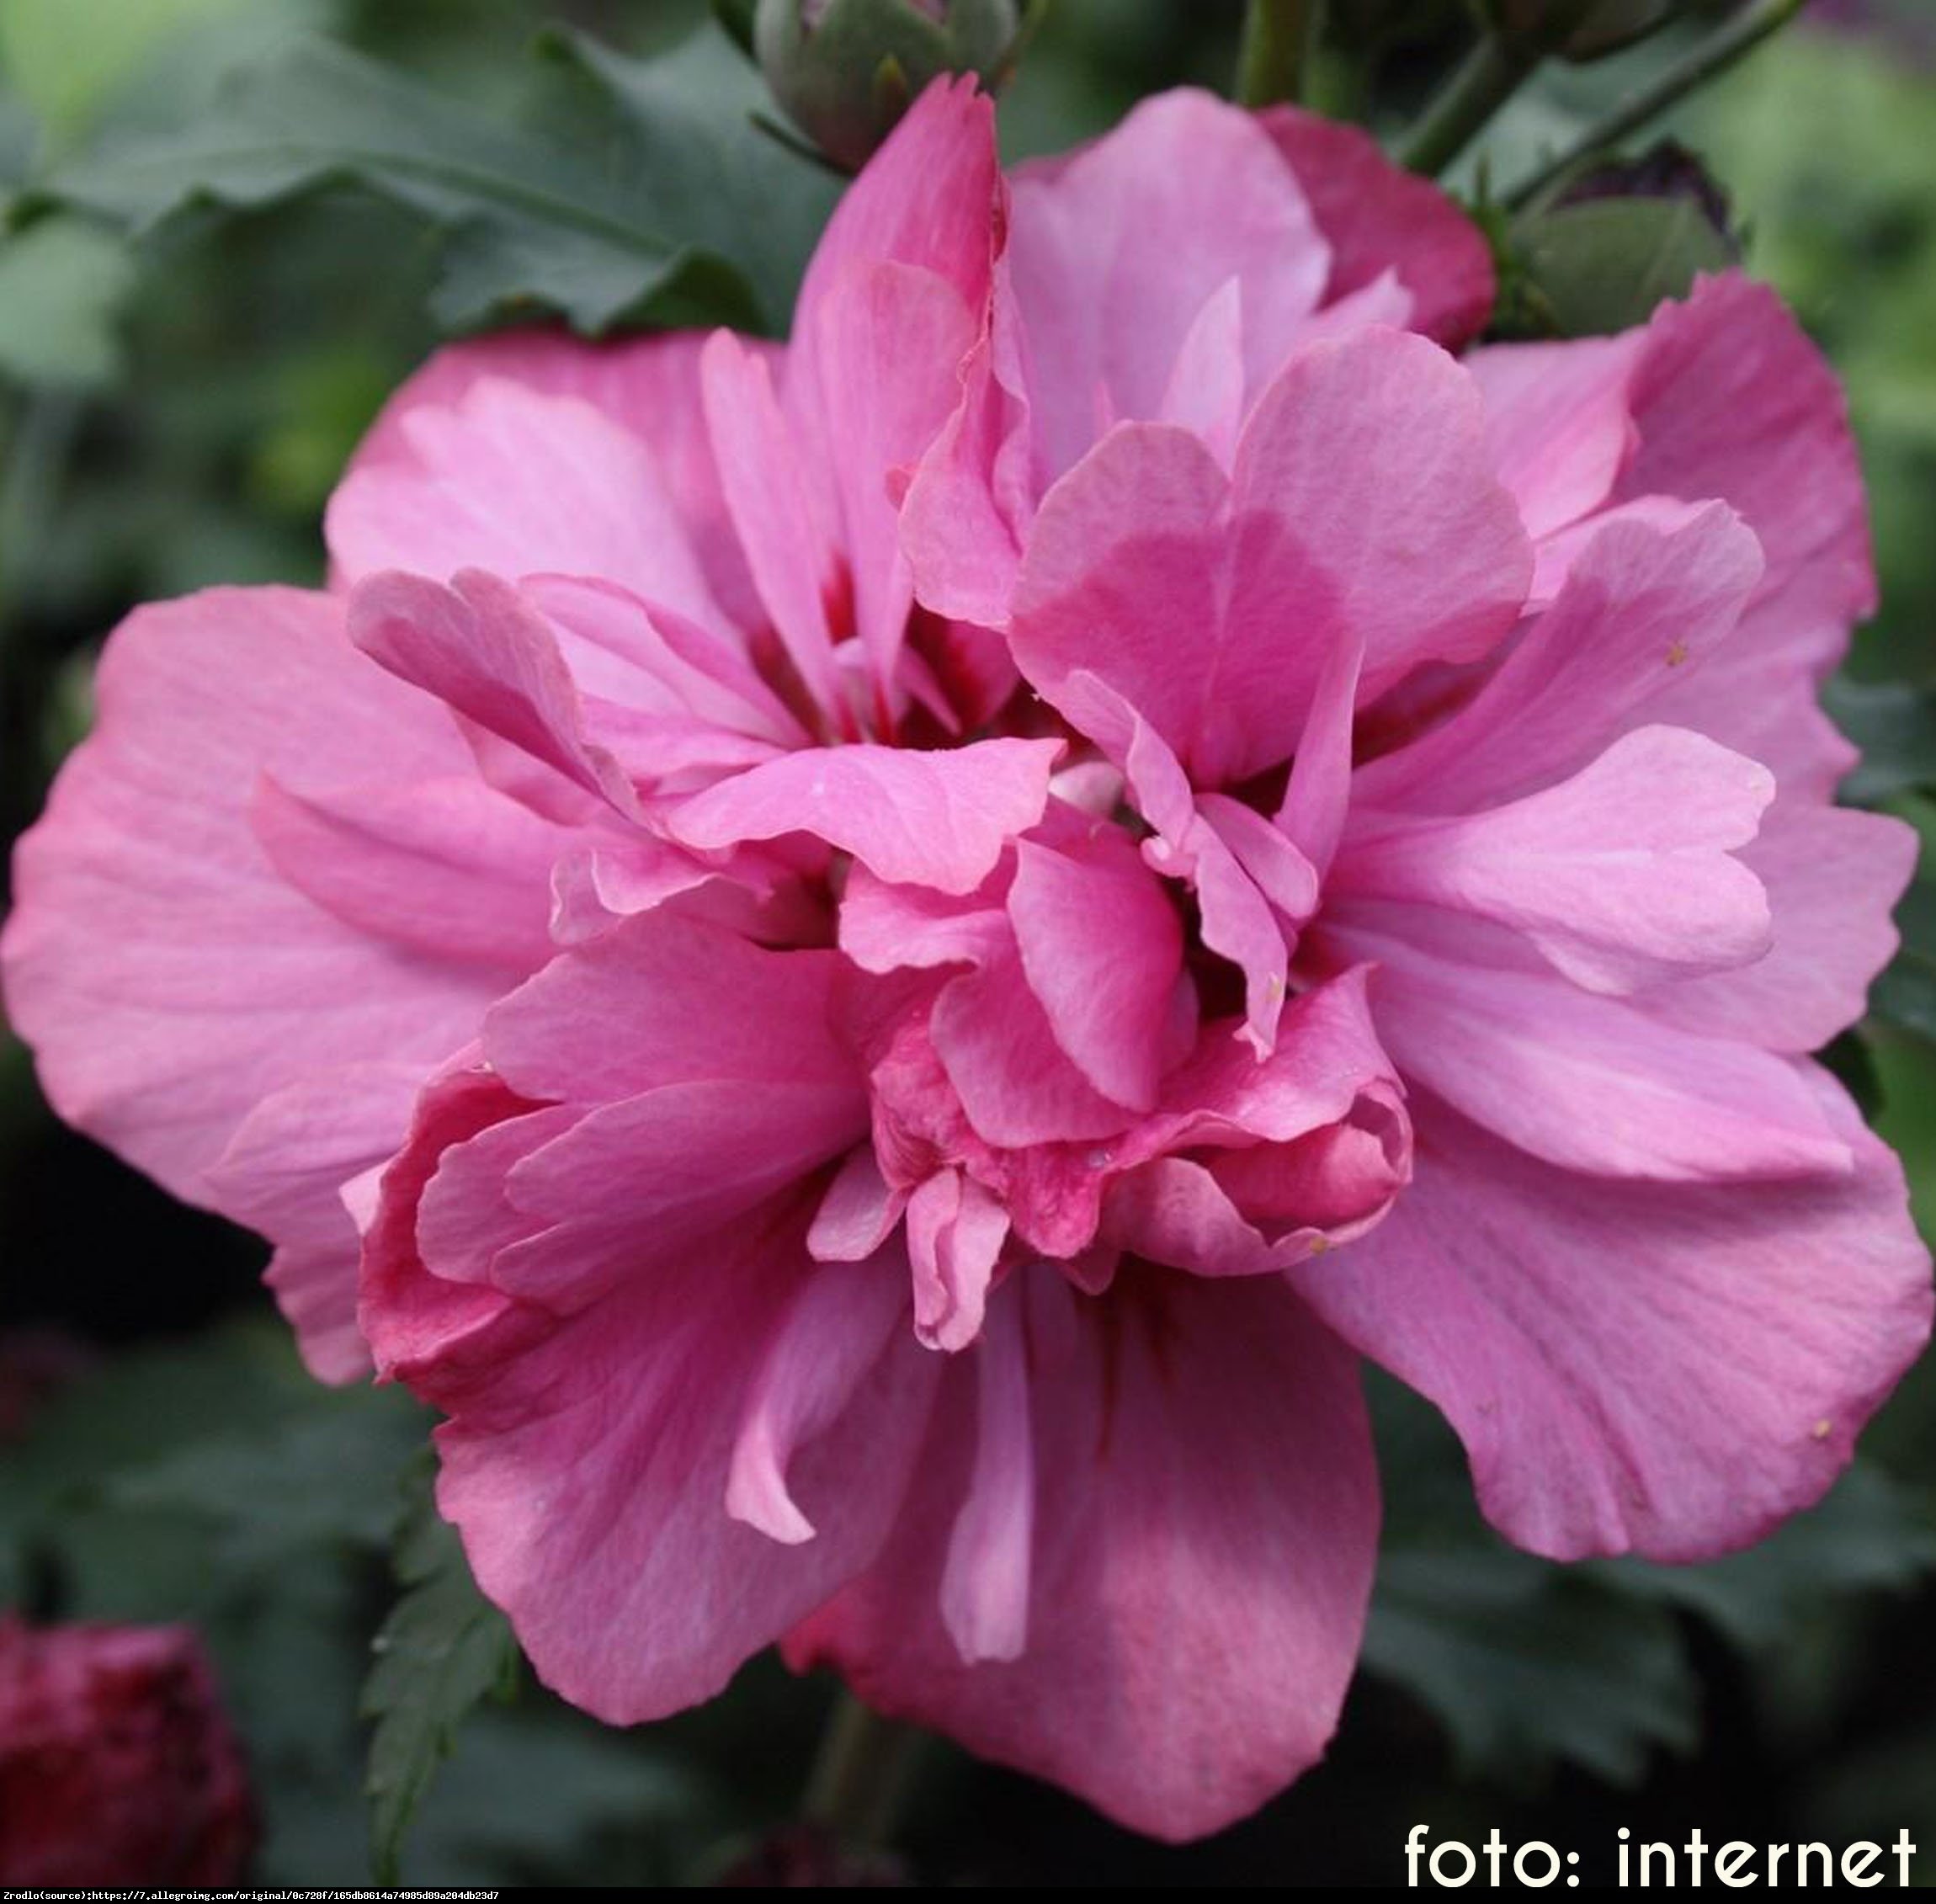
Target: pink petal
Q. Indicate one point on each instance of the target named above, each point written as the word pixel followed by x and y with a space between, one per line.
pixel 1592 1083
pixel 450 867
pixel 283 1174
pixel 1113 251
pixel 1832 878
pixel 647 656
pixel 1205 393
pixel 994 1038
pixel 974 491
pixel 1361 510
pixel 516 480
pixel 926 200
pixel 1200 1554
pixel 891 341
pixel 590 1475
pixel 1558 422
pixel 646 386
pixel 938 819
pixel 955 1231
pixel 218 984
pixel 859 1213
pixel 984 1593
pixel 765 474
pixel 1670 1370
pixel 634 1181
pixel 1639 605
pixel 661 1000
pixel 838 1326
pixel 1377 217
pixel 1622 876
pixel 479 646
pixel 1103 949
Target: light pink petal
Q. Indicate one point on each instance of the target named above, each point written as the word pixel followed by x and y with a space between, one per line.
pixel 1318 794
pixel 1238 924
pixel 466 1216
pixel 1237 919
pixel 938 819
pixel 218 984
pixel 984 1593
pixel 1669 1369
pixel 646 656
pixel 648 386
pixel 838 1327
pixel 1269 856
pixel 1201 1550
pixel 891 342
pixel 765 477
pixel 1622 876
pixel 1175 1211
pixel 516 480
pixel 634 1181
pixel 1832 878
pixel 1205 393
pixel 1377 217
pixel 858 1214
pixel 1115 250
pixel 994 1038
pixel 1327 1059
pixel 926 200
pixel 1639 605
pixel 481 648
pixel 589 1474
pixel 1558 423
pixel 1594 1083
pixel 1103 949
pixel 595 885
pixel 1731 400
pixel 955 1231
pixel 972 496
pixel 1361 510
pixel 886 929
pixel 665 1000
pixel 448 867
pixel 284 1173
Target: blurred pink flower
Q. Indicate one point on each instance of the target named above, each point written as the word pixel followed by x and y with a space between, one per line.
pixel 117 1765
pixel 897 951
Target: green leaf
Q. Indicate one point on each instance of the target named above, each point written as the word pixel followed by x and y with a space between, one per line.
pixel 443 1648
pixel 67 57
pixel 1894 723
pixel 1868 1536
pixel 1905 995
pixel 628 192
pixel 1526 1663
pixel 1523 1664
pixel 63 285
pixel 1603 265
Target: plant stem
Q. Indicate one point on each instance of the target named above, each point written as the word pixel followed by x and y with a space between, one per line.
pixel 1493 72
pixel 1755 23
pixel 1274 61
pixel 862 1775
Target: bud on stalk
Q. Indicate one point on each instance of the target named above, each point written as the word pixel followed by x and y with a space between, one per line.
pixel 847 70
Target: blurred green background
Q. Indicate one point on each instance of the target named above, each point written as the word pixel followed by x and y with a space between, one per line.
pixel 175 408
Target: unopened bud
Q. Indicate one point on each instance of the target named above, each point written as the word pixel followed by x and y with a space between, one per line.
pixel 847 70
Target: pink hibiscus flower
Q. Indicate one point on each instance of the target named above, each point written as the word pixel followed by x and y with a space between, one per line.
pixel 895 952
pixel 117 1764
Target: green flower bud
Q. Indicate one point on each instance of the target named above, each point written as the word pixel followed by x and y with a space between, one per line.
pixel 847 70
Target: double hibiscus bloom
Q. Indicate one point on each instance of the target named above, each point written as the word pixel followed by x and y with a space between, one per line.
pixel 877 964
